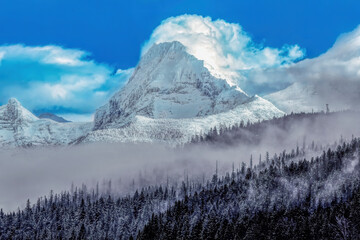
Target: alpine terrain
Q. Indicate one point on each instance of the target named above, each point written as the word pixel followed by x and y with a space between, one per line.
pixel 170 97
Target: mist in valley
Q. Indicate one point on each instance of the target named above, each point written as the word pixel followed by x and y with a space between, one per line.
pixel 31 173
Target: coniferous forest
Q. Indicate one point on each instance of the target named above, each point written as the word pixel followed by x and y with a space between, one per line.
pixel 286 196
pixel 296 124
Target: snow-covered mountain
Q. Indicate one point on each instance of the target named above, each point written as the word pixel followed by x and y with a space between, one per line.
pixel 170 97
pixel 52 117
pixel 19 127
pixel 169 83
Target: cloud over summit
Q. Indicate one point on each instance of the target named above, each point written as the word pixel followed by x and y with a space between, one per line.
pixel 227 50
pixel 69 82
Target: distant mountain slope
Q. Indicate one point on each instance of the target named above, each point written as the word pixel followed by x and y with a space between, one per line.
pixel 52 117
pixel 20 128
pixel 313 96
pixel 297 98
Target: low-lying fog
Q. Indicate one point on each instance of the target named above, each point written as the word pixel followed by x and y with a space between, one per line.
pixel 31 173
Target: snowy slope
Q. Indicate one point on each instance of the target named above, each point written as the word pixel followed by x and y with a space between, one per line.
pixel 19 127
pixel 177 131
pixel 297 98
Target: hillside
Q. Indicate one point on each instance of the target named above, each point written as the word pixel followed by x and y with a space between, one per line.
pixel 285 131
pixel 319 196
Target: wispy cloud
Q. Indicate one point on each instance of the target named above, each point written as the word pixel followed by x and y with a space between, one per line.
pixel 332 78
pixel 53 78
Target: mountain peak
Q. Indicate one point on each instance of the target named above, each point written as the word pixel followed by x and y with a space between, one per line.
pixel 165 47
pixel 169 83
pixel 14 102
pixel 164 51
pixel 174 45
pixel 14 111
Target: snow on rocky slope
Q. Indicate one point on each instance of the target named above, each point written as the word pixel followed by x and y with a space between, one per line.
pixel 20 128
pixel 176 131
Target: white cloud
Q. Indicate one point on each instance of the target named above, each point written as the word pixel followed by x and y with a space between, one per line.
pixel 52 78
pixel 333 78
pixel 1 56
pixel 227 50
pixel 68 82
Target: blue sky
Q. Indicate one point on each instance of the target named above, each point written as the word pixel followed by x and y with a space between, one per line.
pixel 109 34
pixel 113 30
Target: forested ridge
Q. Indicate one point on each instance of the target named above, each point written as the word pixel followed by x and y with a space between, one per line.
pixel 308 199
pixel 245 133
pixel 285 196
